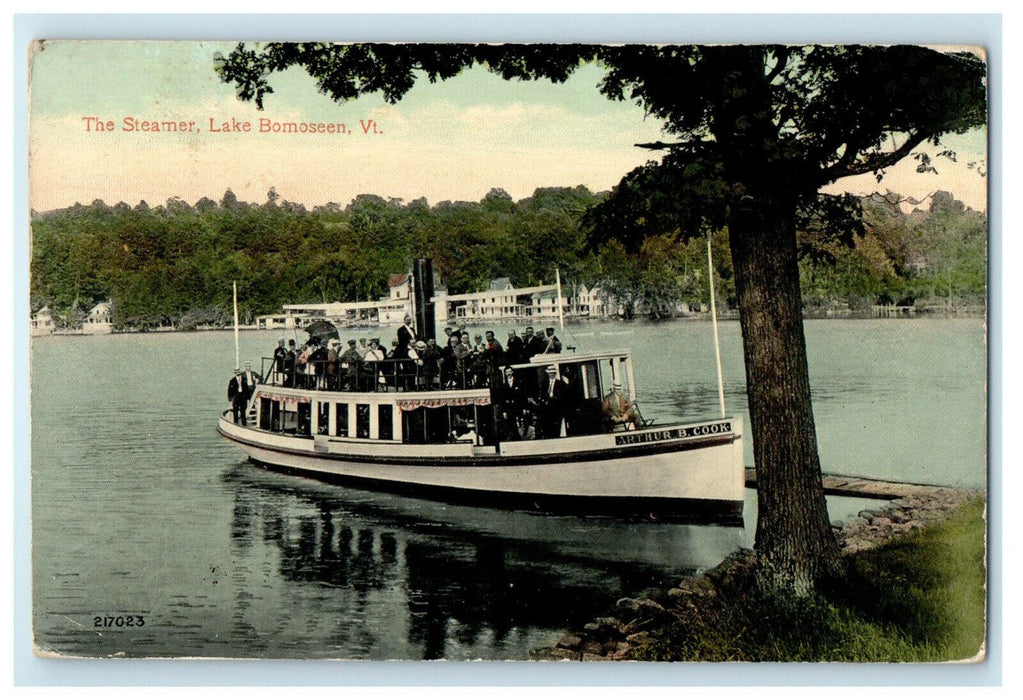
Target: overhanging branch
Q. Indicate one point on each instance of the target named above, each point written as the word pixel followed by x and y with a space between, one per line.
pixel 847 167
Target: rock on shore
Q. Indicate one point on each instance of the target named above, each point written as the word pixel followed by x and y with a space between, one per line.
pixel 633 621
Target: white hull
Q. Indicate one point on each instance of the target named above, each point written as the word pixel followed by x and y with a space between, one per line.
pixel 671 470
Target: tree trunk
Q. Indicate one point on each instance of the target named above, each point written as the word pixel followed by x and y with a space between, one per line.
pixel 794 540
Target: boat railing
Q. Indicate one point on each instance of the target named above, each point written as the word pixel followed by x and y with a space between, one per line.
pixel 380 375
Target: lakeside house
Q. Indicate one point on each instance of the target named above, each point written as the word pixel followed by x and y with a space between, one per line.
pixel 99 321
pixel 42 322
pixel 501 301
pixel 588 302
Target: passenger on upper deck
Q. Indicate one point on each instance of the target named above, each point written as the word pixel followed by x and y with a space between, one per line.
pixel 332 363
pixel 452 362
pixel 289 364
pixel 513 348
pixel 421 379
pixel 406 337
pixel 495 358
pixel 305 370
pixel 318 363
pixel 430 355
pixel 374 372
pixel 478 362
pixel 551 343
pixel 374 353
pixel 531 344
pixel 351 362
pixel 280 355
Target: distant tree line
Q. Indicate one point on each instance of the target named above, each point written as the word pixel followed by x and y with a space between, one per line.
pixel 930 257
pixel 174 264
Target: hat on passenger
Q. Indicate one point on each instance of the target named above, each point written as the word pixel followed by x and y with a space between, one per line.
pixel 420 344
pixel 616 384
pixel 351 342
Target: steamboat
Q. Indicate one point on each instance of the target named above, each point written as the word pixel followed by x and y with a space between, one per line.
pixel 559 432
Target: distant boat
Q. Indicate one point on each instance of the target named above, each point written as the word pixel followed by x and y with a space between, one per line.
pixel 464 437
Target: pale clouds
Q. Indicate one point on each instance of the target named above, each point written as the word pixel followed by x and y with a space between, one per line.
pixel 450 141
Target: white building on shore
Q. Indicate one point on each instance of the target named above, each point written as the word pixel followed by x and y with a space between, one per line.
pixel 42 322
pixel 385 311
pixel 500 302
pixel 99 321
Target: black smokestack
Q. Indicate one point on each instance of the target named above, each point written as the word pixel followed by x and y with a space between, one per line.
pixel 422 289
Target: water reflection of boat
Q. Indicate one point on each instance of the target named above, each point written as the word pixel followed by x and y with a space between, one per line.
pixel 411 578
pixel 561 433
pixel 682 546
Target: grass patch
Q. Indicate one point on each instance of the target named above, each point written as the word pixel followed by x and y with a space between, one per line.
pixel 918 598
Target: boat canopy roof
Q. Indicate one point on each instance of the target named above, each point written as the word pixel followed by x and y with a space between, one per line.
pixel 575 357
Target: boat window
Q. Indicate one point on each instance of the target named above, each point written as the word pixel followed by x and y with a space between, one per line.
pixel 341 419
pixel 437 424
pixel 289 421
pixel 265 413
pixel 362 420
pixel 463 419
pixel 414 426
pixel 590 380
pixel 323 419
pixel 385 422
pixel 305 418
pixel 276 419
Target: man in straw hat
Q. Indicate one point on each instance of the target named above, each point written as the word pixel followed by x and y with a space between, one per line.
pixel 551 402
pixel 619 413
pixel 237 393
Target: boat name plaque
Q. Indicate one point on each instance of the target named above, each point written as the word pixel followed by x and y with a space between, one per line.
pixel 674 433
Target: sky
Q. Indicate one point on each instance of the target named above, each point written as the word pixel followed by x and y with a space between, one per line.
pixel 454 140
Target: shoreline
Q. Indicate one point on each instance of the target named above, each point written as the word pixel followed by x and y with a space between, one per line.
pixel 635 622
pixel 926 313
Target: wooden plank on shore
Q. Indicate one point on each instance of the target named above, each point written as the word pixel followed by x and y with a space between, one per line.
pixel 861 487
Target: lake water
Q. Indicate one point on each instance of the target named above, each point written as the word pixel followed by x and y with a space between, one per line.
pixel 154 537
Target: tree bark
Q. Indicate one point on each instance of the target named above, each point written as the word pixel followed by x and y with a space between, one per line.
pixel 794 540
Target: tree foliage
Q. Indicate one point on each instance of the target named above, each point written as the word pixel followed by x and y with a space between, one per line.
pixel 161 269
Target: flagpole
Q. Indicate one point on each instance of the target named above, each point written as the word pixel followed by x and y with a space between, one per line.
pixel 561 311
pixel 237 349
pixel 714 318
